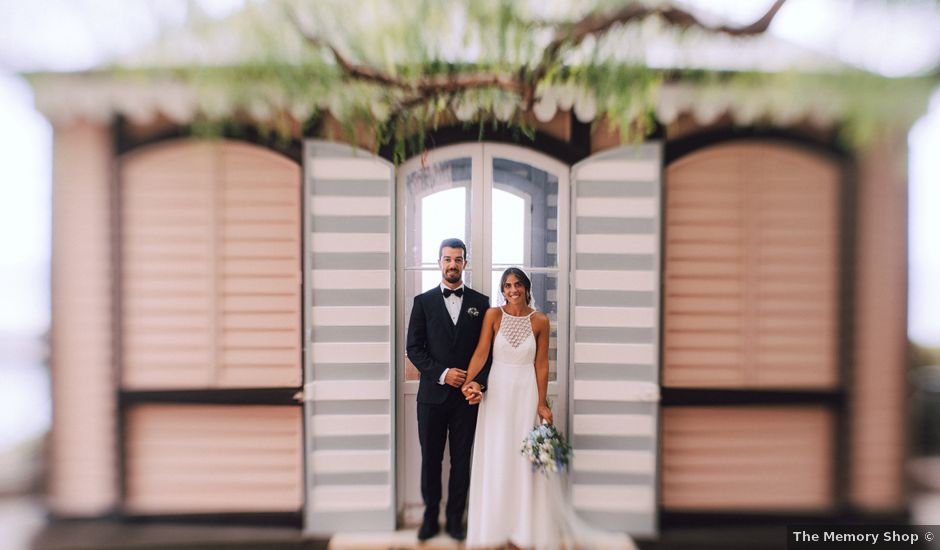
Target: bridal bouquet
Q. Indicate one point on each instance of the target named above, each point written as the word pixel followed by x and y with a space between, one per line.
pixel 546 449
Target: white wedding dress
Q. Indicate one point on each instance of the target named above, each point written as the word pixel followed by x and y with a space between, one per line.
pixel 508 501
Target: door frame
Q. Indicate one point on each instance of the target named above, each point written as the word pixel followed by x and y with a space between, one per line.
pixel 481 177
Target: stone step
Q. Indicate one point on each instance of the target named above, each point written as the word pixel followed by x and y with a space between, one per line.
pixel 401 539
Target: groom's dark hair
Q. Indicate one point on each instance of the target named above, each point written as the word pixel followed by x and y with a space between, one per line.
pixel 451 243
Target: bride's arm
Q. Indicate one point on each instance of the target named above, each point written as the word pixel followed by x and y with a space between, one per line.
pixel 543 329
pixel 482 353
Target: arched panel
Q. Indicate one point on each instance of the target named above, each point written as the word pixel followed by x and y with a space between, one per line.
pixel 751 269
pixel 210 267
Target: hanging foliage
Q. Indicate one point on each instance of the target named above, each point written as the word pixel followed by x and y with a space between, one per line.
pixel 395 69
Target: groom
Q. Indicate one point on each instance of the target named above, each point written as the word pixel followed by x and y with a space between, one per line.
pixel 442 336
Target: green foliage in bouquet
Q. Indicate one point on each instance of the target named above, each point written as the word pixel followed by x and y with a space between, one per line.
pixel 547 449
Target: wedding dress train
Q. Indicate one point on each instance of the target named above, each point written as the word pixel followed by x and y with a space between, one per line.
pixel 509 503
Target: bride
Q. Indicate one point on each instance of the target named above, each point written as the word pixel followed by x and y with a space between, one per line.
pixel 509 502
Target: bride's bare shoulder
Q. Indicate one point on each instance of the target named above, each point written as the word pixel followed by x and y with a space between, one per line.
pixel 540 320
pixel 493 313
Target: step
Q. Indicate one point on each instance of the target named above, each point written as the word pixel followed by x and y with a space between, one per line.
pixel 401 539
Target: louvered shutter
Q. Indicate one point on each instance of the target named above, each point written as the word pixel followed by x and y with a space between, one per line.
pixel 168 266
pixel 211 261
pixel 259 269
pixel 751 269
pixel 213 458
pixel 348 269
pixel 748 458
pixel 615 394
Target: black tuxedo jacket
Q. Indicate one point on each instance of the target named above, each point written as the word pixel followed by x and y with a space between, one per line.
pixel 435 343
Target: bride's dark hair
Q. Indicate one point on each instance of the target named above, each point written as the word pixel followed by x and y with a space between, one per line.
pixel 523 278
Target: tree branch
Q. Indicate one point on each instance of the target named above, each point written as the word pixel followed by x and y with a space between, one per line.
pixel 525 81
pixel 430 85
pixel 352 70
pixel 596 23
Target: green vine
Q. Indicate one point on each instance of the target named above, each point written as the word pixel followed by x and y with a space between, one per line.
pixel 392 69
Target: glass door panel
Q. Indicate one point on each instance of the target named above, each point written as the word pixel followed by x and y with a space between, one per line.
pixel 435 203
pixel 524 210
pixel 507 204
pixel 437 198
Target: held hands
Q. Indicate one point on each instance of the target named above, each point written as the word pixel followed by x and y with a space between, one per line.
pixel 472 392
pixel 545 414
pixel 455 377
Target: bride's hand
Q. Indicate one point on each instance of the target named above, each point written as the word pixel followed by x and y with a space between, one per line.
pixel 472 393
pixel 545 414
pixel 469 390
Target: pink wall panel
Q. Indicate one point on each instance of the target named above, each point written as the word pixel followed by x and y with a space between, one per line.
pixel 83 467
pixel 878 441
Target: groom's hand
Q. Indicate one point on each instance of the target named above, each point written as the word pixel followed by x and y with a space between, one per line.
pixel 455 377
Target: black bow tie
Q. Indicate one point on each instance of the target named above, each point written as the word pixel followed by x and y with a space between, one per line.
pixel 458 292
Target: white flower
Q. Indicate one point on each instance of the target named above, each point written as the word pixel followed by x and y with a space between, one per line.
pixel 546 449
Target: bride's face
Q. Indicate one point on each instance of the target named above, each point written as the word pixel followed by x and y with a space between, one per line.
pixel 514 291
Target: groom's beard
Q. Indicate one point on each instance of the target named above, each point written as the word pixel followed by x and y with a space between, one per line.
pixel 452 277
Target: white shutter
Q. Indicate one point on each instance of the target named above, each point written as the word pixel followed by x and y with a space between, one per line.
pixel 615 338
pixel 348 272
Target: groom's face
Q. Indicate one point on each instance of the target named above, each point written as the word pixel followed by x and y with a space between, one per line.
pixel 452 264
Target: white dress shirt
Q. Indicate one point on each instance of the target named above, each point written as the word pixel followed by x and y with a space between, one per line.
pixel 453 303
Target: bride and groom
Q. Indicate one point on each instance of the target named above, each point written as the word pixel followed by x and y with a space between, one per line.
pixel 475 357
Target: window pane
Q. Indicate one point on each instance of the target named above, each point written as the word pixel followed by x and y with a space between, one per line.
pixel 525 215
pixel 509 215
pixel 436 208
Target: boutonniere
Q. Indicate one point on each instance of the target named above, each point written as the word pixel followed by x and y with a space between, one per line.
pixel 473 312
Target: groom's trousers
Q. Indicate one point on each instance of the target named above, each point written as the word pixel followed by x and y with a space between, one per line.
pixel 455 419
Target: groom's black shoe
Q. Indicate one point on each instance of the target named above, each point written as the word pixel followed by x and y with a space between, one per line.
pixel 456 531
pixel 429 528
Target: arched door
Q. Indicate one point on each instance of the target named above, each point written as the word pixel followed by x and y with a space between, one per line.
pixel 510 205
pixel 751 300
pixel 210 304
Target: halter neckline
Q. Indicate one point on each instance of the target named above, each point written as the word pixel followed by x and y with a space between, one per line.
pixel 503 308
